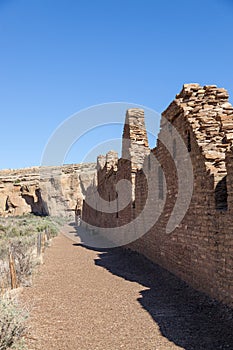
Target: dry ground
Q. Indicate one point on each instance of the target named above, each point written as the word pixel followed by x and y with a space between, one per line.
pixel 114 299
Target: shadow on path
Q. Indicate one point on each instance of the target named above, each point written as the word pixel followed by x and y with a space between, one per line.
pixel 186 317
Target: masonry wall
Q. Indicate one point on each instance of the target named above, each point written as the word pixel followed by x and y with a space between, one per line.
pixel 199 249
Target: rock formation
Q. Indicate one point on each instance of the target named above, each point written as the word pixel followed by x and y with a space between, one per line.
pixel 44 191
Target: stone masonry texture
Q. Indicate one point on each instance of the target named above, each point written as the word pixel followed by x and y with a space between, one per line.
pixel 199 249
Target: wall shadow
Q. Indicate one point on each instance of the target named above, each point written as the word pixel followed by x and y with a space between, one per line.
pixel 186 317
pixel 221 195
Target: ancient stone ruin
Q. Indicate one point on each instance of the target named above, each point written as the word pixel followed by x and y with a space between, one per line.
pixel 173 203
pixel 181 191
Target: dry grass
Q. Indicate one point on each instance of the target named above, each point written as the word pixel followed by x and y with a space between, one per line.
pixel 19 235
pixel 12 324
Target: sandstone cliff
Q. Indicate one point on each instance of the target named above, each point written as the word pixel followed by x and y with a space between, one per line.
pixel 44 191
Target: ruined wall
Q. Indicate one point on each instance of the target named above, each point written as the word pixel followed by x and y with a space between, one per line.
pixel 199 248
pixel 113 172
pixel 44 191
pixel 196 250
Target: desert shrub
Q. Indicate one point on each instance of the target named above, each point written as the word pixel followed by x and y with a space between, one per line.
pixel 12 323
pixel 20 234
pixel 17 181
pixel 28 225
pixel 13 232
pixel 23 252
pixel 3 248
pixel 3 229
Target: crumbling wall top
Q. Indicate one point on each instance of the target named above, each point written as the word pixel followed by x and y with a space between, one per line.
pixel 109 161
pixel 210 115
pixel 135 142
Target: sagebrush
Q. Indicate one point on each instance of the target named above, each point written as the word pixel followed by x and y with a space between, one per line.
pixel 12 323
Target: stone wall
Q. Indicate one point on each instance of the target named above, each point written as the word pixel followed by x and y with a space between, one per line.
pixel 112 172
pixel 199 246
pixel 44 191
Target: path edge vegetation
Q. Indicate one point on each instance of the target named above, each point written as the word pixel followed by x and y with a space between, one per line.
pixel 23 241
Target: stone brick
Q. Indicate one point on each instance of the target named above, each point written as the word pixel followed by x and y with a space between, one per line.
pixel 199 250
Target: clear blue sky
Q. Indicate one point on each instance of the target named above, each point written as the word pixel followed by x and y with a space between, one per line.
pixel 60 56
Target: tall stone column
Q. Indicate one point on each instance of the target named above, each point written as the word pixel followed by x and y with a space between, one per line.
pixel 135 142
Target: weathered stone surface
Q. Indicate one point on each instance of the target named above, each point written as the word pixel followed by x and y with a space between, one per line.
pixel 199 249
pixel 52 191
pixel 135 141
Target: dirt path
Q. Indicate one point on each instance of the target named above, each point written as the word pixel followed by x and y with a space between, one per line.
pixel 85 299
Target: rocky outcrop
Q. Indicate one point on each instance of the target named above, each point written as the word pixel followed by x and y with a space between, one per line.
pixel 44 191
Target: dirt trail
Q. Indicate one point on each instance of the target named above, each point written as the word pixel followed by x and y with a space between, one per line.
pixel 112 299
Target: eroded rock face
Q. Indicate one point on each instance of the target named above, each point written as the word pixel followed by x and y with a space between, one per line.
pixel 44 191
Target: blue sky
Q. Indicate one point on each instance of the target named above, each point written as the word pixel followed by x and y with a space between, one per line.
pixel 61 56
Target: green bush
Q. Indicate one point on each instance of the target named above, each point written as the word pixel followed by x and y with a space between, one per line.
pixel 28 225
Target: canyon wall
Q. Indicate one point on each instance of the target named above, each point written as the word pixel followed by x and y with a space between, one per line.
pixel 44 191
pixel 182 191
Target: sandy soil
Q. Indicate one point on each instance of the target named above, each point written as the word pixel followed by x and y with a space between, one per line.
pixel 115 299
